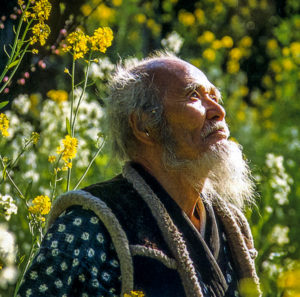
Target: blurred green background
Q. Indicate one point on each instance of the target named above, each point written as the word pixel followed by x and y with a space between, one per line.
pixel 250 49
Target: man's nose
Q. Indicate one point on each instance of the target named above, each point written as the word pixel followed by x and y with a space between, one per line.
pixel 214 110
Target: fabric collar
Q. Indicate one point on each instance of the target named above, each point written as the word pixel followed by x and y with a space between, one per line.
pixel 204 253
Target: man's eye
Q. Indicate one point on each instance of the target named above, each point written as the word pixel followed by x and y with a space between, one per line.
pixel 214 97
pixel 195 95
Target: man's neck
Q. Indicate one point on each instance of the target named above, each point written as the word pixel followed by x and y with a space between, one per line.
pixel 177 185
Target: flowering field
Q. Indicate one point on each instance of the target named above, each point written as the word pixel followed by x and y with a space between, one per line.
pixel 54 64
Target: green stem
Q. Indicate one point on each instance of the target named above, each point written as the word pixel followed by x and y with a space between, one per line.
pixel 88 167
pixel 17 159
pixel 15 69
pixel 72 95
pixel 12 181
pixel 12 54
pixel 29 260
pixel 81 95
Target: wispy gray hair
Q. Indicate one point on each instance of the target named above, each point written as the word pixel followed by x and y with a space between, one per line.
pixel 132 90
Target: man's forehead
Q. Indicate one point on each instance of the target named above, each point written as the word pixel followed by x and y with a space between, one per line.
pixel 167 72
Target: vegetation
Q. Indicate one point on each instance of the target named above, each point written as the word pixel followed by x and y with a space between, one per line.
pixel 54 67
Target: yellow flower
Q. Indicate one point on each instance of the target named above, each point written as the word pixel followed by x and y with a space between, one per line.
pixel 295 49
pixel 207 36
pixel 235 54
pixel 58 96
pixel 51 159
pixel 233 66
pixel 35 51
pixel 199 13
pixel 35 137
pixel 209 54
pixel 227 41
pixel 134 294
pixel 217 44
pixel 69 148
pixel 66 70
pixel 186 18
pixel 117 2
pixel 41 205
pixel 86 9
pixel 20 2
pixel 101 39
pixel 76 43
pixel 287 64
pixel 4 124
pixel 140 18
pixel 272 44
pixel 246 41
pixel 40 32
pixel 41 10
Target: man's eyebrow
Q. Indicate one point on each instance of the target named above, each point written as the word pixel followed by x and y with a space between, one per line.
pixel 192 87
pixel 211 89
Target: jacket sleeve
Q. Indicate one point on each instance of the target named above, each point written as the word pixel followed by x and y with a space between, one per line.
pixel 76 258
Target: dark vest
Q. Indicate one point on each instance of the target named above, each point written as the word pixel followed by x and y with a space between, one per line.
pixel 156 269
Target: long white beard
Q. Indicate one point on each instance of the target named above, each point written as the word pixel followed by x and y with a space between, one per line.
pixel 228 176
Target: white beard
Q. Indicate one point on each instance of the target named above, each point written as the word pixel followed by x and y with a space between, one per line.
pixel 228 176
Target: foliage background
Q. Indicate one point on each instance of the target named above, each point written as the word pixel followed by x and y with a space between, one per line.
pixel 250 49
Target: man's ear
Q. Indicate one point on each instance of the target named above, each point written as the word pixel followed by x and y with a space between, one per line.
pixel 139 130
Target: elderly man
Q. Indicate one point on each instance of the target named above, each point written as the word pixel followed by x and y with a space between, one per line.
pixel 171 224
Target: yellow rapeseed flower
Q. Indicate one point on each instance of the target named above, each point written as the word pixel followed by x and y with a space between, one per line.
pixel 117 2
pixel 69 148
pixel 233 66
pixel 40 32
pixel 35 137
pixel 4 124
pixel 295 49
pixel 140 18
pixel 135 294
pixel 246 41
pixel 206 37
pixel 101 39
pixel 51 159
pixel 58 96
pixel 235 54
pixel 217 44
pixel 227 41
pixel 186 18
pixel 77 43
pixel 41 205
pixel 20 2
pixel 86 9
pixel 272 44
pixel 200 16
pixel 209 54
pixel 287 64
pixel 41 10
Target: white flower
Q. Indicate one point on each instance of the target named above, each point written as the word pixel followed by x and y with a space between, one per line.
pixel 7 206
pixel 7 246
pixel 21 103
pixel 101 69
pixel 173 42
pixel 279 235
pixel 8 275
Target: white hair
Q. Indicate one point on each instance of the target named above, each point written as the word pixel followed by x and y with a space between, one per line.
pixel 131 90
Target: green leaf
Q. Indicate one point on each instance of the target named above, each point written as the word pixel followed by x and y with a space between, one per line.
pixel 3 104
pixel 21 260
pixel 13 64
pixel 68 126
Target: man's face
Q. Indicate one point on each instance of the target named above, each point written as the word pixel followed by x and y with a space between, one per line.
pixel 192 110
